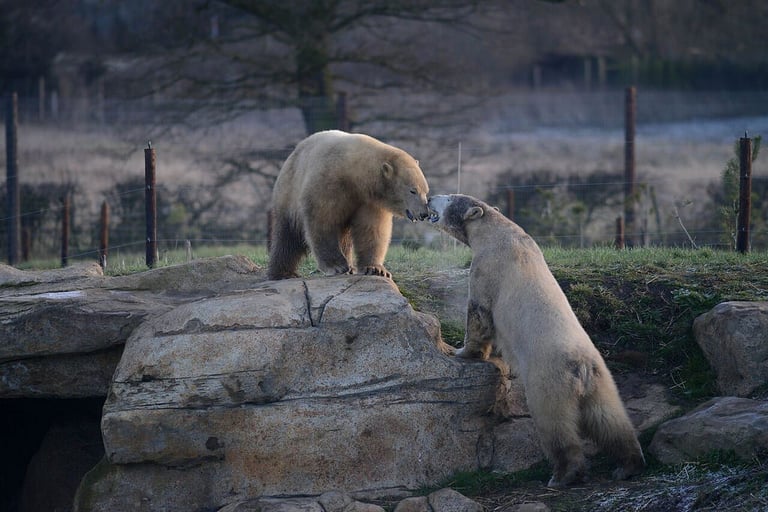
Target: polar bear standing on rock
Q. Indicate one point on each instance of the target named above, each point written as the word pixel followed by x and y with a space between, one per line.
pixel 338 191
pixel 516 305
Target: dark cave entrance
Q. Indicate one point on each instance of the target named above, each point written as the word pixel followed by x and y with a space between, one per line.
pixel 46 446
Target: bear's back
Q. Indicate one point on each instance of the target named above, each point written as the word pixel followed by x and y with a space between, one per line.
pixel 333 155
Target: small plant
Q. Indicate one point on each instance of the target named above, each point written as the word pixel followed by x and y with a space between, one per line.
pixel 729 208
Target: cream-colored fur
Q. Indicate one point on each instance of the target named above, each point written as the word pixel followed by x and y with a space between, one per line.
pixel 516 306
pixel 336 195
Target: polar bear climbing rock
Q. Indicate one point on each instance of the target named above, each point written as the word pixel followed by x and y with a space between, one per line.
pixel 517 307
pixel 336 194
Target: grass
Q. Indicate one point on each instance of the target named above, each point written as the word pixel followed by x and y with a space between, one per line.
pixel 639 305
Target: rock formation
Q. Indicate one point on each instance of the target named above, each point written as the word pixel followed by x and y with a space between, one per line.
pixel 734 337
pixel 291 388
pixel 729 426
pixel 226 391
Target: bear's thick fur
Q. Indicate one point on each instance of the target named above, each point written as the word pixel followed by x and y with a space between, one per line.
pixel 337 192
pixel 517 307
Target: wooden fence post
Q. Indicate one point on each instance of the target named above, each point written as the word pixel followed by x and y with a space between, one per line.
pixel 630 189
pixel 150 201
pixel 104 238
pixel 745 194
pixel 342 116
pixel 65 231
pixel 511 204
pixel 619 241
pixel 12 177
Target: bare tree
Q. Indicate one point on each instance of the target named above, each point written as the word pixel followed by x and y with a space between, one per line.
pixel 275 53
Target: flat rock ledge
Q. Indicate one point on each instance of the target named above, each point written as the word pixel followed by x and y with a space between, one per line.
pixel 62 331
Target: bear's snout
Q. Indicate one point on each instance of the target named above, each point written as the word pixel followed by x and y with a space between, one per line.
pixel 436 207
pixel 416 207
pixel 414 217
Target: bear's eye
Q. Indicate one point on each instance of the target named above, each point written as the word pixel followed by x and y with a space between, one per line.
pixel 413 191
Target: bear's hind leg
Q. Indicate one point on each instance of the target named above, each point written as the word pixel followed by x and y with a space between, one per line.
pixel 606 422
pixel 287 249
pixel 555 412
pixel 566 452
pixel 371 234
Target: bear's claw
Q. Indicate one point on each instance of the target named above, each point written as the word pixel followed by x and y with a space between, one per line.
pixel 377 271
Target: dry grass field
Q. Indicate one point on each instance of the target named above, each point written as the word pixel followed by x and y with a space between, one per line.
pixel 683 142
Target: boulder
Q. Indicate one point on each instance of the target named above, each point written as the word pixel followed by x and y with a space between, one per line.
pixel 448 500
pixel 291 388
pixel 734 338
pixel 648 402
pixel 62 331
pixel 443 500
pixel 727 424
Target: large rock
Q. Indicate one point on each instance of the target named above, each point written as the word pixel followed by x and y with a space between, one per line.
pixel 726 424
pixel 62 331
pixel 734 337
pixel 291 388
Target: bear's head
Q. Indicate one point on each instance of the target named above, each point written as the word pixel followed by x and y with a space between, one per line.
pixel 405 188
pixel 453 213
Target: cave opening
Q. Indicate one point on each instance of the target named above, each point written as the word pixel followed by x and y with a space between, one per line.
pixel 47 446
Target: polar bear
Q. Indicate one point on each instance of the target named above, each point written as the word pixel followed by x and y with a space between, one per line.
pixel 517 307
pixel 337 192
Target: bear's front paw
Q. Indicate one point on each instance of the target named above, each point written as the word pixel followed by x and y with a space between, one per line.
pixel 466 354
pixel 445 348
pixel 339 270
pixel 377 270
pixel 472 352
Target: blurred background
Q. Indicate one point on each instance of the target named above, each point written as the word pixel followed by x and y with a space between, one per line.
pixel 518 102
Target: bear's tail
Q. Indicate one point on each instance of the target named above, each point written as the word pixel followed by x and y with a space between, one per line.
pixel 605 421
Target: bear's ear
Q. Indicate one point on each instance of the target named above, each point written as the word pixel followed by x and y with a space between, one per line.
pixel 387 170
pixel 473 213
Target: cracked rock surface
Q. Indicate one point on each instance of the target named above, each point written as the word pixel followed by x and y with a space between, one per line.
pixel 291 388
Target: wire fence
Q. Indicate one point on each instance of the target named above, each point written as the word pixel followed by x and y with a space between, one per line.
pixel 575 207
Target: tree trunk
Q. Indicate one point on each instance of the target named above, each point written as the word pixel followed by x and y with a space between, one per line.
pixel 316 99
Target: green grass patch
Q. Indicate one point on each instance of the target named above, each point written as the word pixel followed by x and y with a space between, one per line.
pixel 479 483
pixel 644 301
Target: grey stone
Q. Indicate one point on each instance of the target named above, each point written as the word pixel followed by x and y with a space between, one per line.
pixel 528 507
pixel 291 388
pixel 726 424
pixel 62 331
pixel 734 338
pixel 415 504
pixel 448 500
